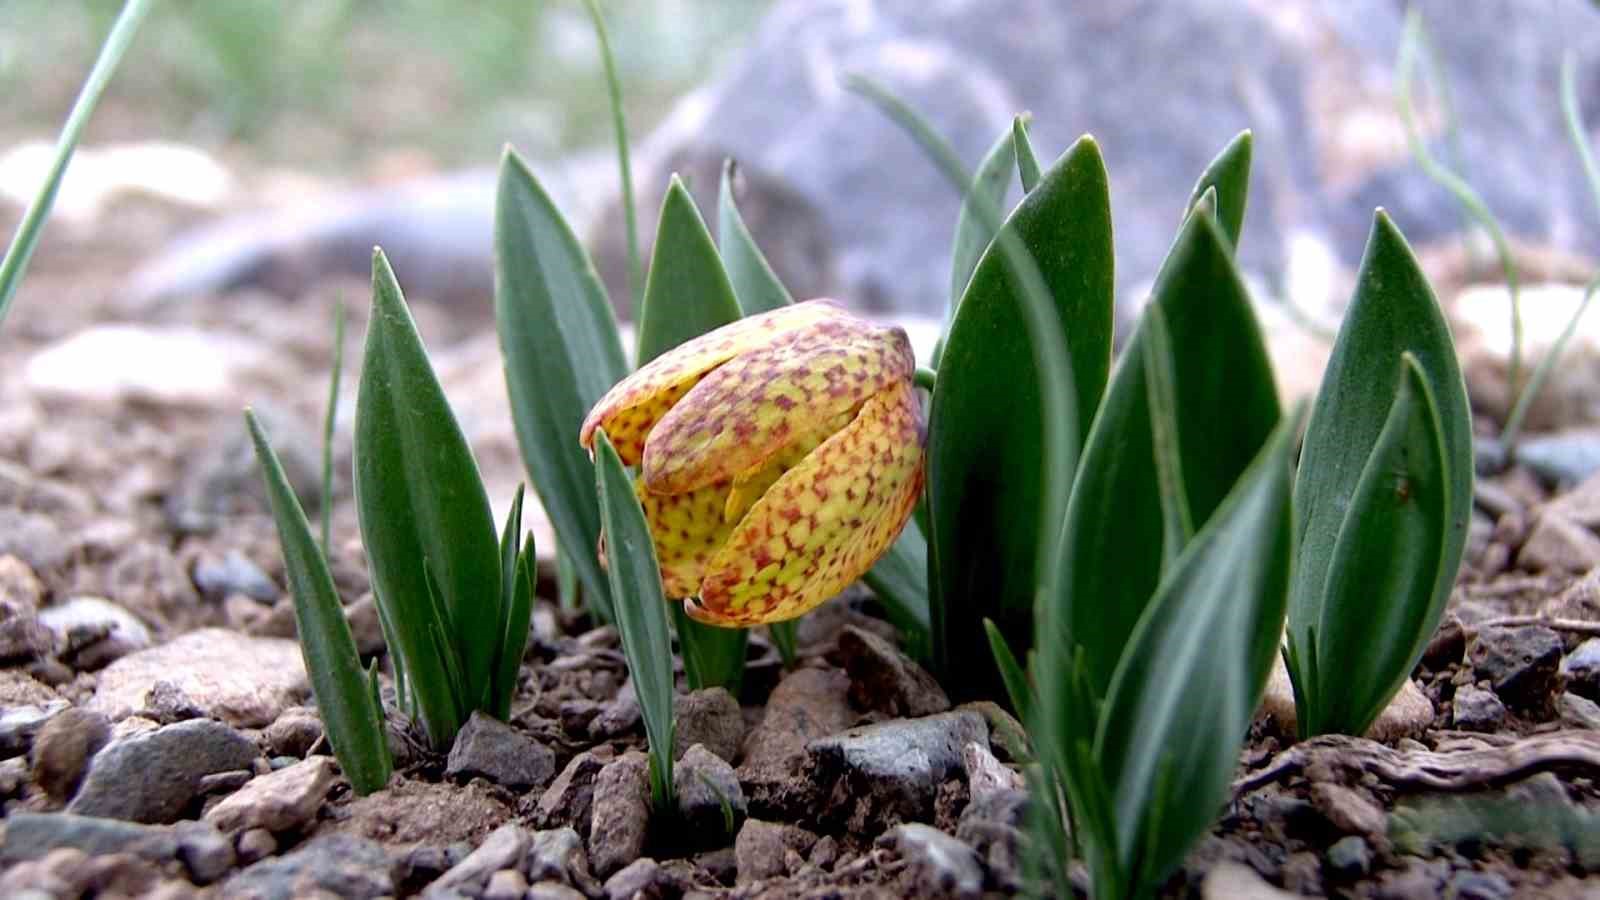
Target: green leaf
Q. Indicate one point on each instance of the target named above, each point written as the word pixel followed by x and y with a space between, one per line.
pixel 1229 174
pixel 754 282
pixel 562 354
pixel 349 711
pixel 1224 403
pixel 972 236
pixel 687 295
pixel 687 292
pixel 986 460
pixel 1016 680
pixel 517 604
pixel 619 125
pixel 1192 671
pixel 423 512
pixel 1027 163
pixel 1385 561
pixel 15 263
pixel 712 656
pixel 1177 524
pixel 784 638
pixel 899 579
pixel 1393 313
pixel 635 580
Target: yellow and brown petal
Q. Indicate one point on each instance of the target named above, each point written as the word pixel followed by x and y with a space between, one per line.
pixel 782 455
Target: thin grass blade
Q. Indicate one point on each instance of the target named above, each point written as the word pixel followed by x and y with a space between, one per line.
pixel 754 282
pixel 349 709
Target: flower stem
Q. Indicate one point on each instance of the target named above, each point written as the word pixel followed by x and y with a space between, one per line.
pixel 925 378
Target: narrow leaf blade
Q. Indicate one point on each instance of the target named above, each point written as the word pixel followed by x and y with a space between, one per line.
pixel 1027 164
pixel 350 714
pixel 422 510
pixel 562 353
pixel 641 607
pixel 1381 608
pixel 754 283
pixel 1393 313
pixel 1229 175
pixel 687 292
pixel 972 236
pixel 1192 672
pixel 986 462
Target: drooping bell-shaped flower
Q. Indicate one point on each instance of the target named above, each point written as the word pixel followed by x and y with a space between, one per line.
pixel 782 455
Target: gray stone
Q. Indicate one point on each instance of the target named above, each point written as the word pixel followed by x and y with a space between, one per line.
pixel 31 835
pixel 985 773
pixel 621 818
pixel 569 799
pixel 1475 709
pixel 1237 881
pixel 19 725
pixel 92 632
pixel 892 770
pixel 285 800
pixel 807 704
pixel 223 478
pixel 1582 669
pixel 554 890
pixel 642 878
pixel 152 777
pixel 506 884
pixel 1521 663
pixel 1469 885
pixel 995 825
pixel 490 748
pixel 1348 810
pixel 761 848
pixel 710 800
pixel 63 748
pixel 255 844
pixel 1567 457
pixel 338 864
pixel 1557 544
pixel 556 856
pixel 504 848
pixel 1578 711
pixel 206 852
pixel 233 573
pixel 941 865
pixel 710 717
pixel 618 717
pixel 294 732
pixel 1349 858
pixel 166 703
pixel 245 681
pixel 33 538
pixel 884 679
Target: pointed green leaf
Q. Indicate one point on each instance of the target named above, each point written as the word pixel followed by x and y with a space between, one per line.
pixel 1016 681
pixel 350 713
pixel 1393 313
pixel 1378 618
pixel 1192 672
pixel 1224 405
pixel 1177 523
pixel 1229 174
pixel 686 293
pixel 754 282
pixel 562 353
pixel 1027 163
pixel 972 237
pixel 641 607
pixel 986 468
pixel 422 510
pixel 519 619
pixel 712 656
pixel 15 263
pixel 899 579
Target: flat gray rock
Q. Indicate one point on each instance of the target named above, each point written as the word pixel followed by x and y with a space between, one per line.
pixel 152 777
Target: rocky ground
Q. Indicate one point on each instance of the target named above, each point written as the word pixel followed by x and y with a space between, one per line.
pixel 157 739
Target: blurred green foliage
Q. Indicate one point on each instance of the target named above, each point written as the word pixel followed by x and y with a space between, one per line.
pixel 320 83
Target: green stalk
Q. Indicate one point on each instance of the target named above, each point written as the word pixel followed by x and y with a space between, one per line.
pixel 327 426
pixel 15 264
pixel 619 123
pixel 1410 48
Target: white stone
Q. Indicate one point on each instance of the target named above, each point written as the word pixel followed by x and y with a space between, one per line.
pixel 1481 317
pixel 115 364
pixel 244 681
pixel 1407 715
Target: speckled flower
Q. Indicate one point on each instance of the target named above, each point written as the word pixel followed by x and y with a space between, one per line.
pixel 782 455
